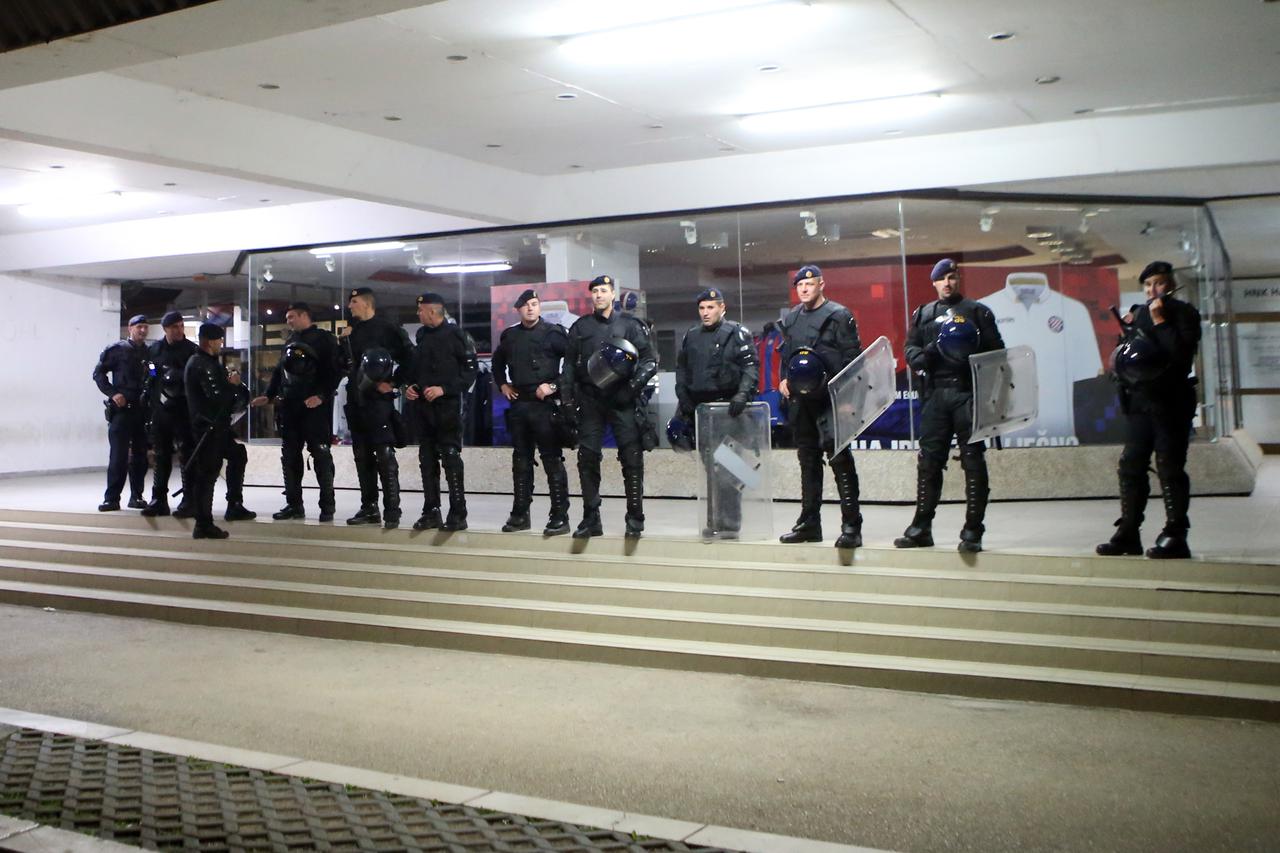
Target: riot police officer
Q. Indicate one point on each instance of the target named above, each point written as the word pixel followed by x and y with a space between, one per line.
pixel 940 339
pixel 1158 398
pixel 444 368
pixel 607 365
pixel 126 362
pixel 717 363
pixel 170 428
pixel 370 408
pixel 212 394
pixel 526 366
pixel 820 339
pixel 303 384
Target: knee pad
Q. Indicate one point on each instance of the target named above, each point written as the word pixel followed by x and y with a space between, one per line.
pixel 450 458
pixel 589 457
pixel 551 462
pixel 973 458
pixel 631 457
pixel 1169 466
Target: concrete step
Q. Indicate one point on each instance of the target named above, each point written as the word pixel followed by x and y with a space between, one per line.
pixel 897 671
pixel 1196 627
pixel 1176 660
pixel 1255 599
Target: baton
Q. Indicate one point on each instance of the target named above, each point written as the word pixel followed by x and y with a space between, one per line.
pixel 190 459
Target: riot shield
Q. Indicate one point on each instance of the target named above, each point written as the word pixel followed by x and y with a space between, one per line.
pixel 1006 392
pixel 862 392
pixel 735 486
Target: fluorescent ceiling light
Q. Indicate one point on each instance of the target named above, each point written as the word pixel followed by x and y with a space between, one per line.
pixel 576 17
pixel 91 205
pixel 699 36
pixel 832 116
pixel 359 247
pixel 499 266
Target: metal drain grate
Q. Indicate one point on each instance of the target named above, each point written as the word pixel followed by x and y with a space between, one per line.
pixel 171 802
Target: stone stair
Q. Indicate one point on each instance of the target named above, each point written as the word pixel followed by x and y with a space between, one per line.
pixel 1184 636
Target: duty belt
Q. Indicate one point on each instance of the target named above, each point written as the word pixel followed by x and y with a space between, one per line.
pixel 951 381
pixel 528 392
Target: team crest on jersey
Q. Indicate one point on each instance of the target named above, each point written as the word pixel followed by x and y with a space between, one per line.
pixel 1055 324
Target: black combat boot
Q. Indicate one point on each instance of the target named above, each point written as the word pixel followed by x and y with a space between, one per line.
pixel 456 519
pixel 633 488
pixel 367 475
pixel 204 527
pixel 158 507
pixel 322 461
pixel 1135 488
pixel 558 486
pixel 291 466
pixel 589 480
pixel 977 491
pixel 522 497
pixel 1175 488
pixel 846 476
pixel 808 528
pixel 928 492
pixel 389 475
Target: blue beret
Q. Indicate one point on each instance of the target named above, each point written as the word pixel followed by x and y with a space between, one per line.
pixel 170 318
pixel 137 318
pixel 711 294
pixel 599 280
pixel 942 269
pixel 806 273
pixel 430 298
pixel 1156 268
pixel 211 332
pixel 524 298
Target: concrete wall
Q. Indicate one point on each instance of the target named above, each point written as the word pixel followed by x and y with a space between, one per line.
pixel 50 337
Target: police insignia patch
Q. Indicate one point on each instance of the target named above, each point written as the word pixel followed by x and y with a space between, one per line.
pixel 1055 324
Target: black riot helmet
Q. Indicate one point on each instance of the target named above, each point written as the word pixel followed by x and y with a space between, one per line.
pixel 377 365
pixel 171 380
pixel 806 374
pixel 958 338
pixel 616 359
pixel 299 359
pixel 680 433
pixel 1138 359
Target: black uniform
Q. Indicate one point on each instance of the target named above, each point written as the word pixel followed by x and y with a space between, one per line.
pixel 211 398
pixel 170 429
pixel 126 363
pixel 371 414
pixel 525 359
pixel 1158 416
pixel 616 405
pixel 717 364
pixel 446 356
pixel 831 331
pixel 947 393
pixel 301 426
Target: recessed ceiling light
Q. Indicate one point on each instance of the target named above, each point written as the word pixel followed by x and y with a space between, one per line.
pixel 727 148
pixel 270 87
pixel 57 167
pixel 392 118
pixel 456 57
pixel 493 145
pixel 574 166
pixel 1084 111
pixel 1003 35
pixel 161 212
pixel 893 133
pixel 567 96
pixel 1048 79
pixel 769 69
pixel 656 126
pixel 264 200
pixel 170 183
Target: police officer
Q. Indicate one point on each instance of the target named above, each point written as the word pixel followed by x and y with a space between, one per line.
pixel 717 363
pixel 947 392
pixel 370 407
pixel 212 394
pixel 444 368
pixel 607 364
pixel 1158 398
pixel 170 428
pixel 823 334
pixel 237 456
pixel 126 362
pixel 526 366
pixel 303 384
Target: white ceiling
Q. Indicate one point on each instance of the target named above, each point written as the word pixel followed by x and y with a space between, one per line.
pixel 348 67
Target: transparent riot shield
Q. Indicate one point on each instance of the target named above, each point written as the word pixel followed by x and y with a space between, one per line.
pixel 1006 392
pixel 862 392
pixel 735 485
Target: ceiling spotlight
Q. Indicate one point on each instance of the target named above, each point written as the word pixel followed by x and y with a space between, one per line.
pixel 1084 224
pixel 418 260
pixel 267 275
pixel 690 231
pixel 330 265
pixel 769 69
pixel 456 57
pixel 1039 232
pixel 985 223
pixel 810 222
pixel 543 244
pixel 567 96
pixel 1003 35
pixel 1048 79
pixel 337 307
pixel 268 312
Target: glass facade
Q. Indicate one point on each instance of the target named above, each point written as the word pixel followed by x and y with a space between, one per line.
pixel 1050 268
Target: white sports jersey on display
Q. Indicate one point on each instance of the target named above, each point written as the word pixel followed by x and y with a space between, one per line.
pixel 1061 332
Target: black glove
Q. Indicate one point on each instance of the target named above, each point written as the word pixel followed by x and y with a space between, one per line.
pixel 737 405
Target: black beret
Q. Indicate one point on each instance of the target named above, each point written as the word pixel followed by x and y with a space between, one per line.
pixel 524 298
pixel 601 279
pixel 1155 268
pixel 805 273
pixel 211 332
pixel 430 298
pixel 299 306
pixel 361 291
pixel 137 318
pixel 170 318
pixel 711 294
